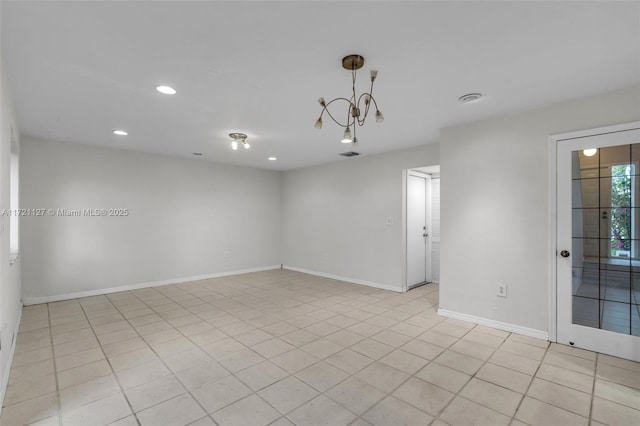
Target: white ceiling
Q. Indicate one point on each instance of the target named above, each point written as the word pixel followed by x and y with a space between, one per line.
pixel 78 70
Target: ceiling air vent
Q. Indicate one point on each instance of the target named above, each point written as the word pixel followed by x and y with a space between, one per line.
pixel 350 154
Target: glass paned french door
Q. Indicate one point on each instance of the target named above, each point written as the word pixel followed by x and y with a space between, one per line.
pixel 599 242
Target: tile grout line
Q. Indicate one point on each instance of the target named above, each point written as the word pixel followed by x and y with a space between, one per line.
pixel 55 370
pixel 253 392
pixel 285 415
pixel 163 363
pixel 115 376
pixel 198 346
pixel 230 373
pixel 352 375
pixel 410 376
pixel 533 377
pixel 472 376
pixel 323 393
pixel 593 388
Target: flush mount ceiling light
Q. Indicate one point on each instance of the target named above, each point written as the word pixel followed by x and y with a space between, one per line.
pixel 590 152
pixel 356 112
pixel 239 138
pixel 120 132
pixel 272 158
pixel 470 97
pixel 166 90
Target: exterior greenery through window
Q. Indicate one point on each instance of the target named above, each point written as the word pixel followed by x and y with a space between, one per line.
pixel 621 214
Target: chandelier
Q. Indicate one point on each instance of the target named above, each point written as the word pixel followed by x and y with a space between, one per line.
pixel 358 106
pixel 239 139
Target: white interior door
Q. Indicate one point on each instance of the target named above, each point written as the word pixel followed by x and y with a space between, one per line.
pixel 418 242
pixel 598 269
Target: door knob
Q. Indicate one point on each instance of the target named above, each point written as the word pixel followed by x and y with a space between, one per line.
pixel 565 253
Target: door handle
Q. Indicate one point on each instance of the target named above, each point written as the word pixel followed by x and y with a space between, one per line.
pixel 565 253
pixel 425 235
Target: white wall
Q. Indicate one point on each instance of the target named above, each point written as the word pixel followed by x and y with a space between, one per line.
pixel 435 229
pixel 333 218
pixel 10 290
pixel 184 215
pixel 495 214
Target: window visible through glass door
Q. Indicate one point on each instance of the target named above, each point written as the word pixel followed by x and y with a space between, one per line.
pixel 606 264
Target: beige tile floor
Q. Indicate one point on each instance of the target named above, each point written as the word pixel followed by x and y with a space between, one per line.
pixel 283 348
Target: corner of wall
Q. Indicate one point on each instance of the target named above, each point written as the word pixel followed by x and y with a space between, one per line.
pixel 10 278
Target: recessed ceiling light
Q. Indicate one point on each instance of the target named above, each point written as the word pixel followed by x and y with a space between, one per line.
pixel 197 153
pixel 272 158
pixel 167 90
pixel 470 97
pixel 120 133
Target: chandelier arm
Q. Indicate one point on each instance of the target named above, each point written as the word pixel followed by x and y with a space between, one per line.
pixel 336 121
pixel 326 108
pixel 369 103
pixel 354 104
pixel 366 108
pixel 336 99
pixel 374 101
pixel 348 113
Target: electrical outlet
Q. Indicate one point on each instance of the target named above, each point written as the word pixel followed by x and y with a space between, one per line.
pixel 501 291
pixel 388 221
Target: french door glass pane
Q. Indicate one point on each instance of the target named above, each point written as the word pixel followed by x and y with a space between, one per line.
pixel 606 238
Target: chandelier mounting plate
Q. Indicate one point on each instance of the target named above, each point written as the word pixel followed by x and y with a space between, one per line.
pixel 237 136
pixel 352 62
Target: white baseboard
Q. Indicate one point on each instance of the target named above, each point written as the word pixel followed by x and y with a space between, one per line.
pixel 531 332
pixel 347 279
pixel 56 298
pixel 12 349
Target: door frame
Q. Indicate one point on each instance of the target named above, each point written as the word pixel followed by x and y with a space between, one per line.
pixel 427 218
pixel 553 210
pixel 425 170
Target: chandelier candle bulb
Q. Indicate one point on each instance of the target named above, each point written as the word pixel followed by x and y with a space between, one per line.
pixel 374 74
pixel 379 116
pixel 318 123
pixel 346 138
pixel 234 145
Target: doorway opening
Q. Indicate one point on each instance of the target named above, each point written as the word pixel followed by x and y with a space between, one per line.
pixel 421 226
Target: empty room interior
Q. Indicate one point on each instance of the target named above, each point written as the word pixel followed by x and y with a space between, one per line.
pixel 305 213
